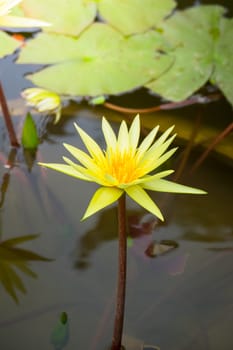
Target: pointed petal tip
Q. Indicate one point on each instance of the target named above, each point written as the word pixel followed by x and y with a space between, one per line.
pixel 201 192
pixel 41 164
pixel 84 217
pixel 67 146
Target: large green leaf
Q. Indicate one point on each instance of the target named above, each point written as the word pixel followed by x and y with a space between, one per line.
pixel 192 35
pixel 7 44
pixel 134 16
pixel 101 61
pixel 223 73
pixel 67 17
pixel 36 50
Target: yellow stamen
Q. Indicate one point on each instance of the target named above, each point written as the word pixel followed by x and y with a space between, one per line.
pixel 122 166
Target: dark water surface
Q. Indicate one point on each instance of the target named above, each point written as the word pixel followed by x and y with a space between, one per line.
pixel 179 300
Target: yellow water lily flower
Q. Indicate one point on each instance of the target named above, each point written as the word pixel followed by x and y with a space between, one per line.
pixel 124 166
pixel 43 101
pixel 8 21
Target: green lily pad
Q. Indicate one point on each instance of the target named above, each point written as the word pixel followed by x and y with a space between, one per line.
pixel 8 44
pixel 192 35
pixel 134 16
pixel 65 17
pixel 223 73
pixel 101 61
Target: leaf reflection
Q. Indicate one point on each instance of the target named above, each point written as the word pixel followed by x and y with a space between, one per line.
pixel 12 257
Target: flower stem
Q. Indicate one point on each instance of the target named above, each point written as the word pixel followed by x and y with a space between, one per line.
pixel 7 118
pixel 122 260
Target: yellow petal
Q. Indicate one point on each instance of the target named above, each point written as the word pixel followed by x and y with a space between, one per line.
pixel 156 150
pixel 103 197
pixel 157 176
pixel 164 136
pixel 162 185
pixel 57 115
pixel 147 178
pixel 123 137
pixel 92 176
pixel 146 143
pixel 21 22
pixel 142 198
pixel 65 169
pixel 152 164
pixel 134 132
pixel 150 160
pixel 166 156
pixel 109 135
pixel 93 148
pixel 82 157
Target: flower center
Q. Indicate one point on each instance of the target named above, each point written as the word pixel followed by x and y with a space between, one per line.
pixel 122 166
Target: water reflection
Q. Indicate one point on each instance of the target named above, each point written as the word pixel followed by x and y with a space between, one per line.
pixel 8 163
pixel 220 234
pixel 12 257
pixel 104 231
pixel 141 243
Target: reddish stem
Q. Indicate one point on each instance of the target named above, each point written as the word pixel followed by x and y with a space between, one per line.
pixel 7 118
pixel 214 143
pixel 121 287
pixel 164 106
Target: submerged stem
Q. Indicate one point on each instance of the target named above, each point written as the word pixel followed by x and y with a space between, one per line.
pixel 121 286
pixel 7 118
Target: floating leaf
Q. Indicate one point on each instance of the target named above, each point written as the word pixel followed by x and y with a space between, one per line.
pixel 65 17
pixel 134 16
pixel 8 44
pixel 223 73
pixel 30 139
pixel 101 61
pixel 192 35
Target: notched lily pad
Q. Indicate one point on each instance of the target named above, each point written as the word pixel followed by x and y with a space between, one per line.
pixel 8 44
pixel 65 17
pixel 223 72
pixel 101 61
pixel 192 35
pixel 144 15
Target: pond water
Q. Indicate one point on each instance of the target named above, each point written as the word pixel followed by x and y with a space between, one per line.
pixel 179 300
